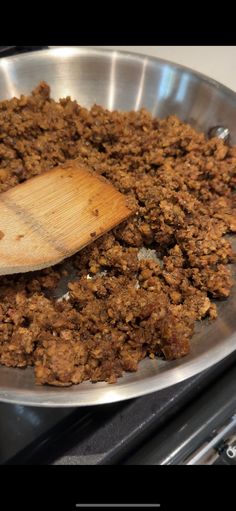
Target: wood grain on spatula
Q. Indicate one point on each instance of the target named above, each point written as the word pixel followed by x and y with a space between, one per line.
pixel 52 216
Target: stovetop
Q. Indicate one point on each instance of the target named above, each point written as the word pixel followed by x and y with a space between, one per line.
pixel 166 427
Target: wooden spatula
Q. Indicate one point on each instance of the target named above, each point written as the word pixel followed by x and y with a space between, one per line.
pixel 52 216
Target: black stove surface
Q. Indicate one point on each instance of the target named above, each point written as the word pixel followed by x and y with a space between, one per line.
pixel 117 433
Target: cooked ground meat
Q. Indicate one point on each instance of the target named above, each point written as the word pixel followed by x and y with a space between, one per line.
pixel 121 305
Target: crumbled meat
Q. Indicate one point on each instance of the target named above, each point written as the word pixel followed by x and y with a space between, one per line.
pixel 121 304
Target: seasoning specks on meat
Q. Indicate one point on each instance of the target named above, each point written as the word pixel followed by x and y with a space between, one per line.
pixel 138 290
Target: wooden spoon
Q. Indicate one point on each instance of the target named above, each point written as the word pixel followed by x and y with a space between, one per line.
pixel 52 216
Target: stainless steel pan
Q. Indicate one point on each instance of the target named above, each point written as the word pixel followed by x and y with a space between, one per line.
pixel 125 81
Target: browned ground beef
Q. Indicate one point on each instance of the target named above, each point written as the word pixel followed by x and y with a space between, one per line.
pixel 182 187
